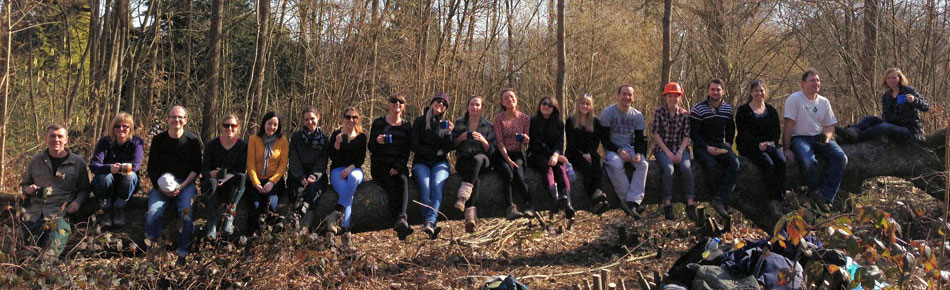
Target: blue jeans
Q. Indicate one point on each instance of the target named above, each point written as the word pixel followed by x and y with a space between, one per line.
pixel 772 162
pixel 873 128
pixel 686 171
pixel 430 182
pixel 345 189
pixel 115 188
pixel 722 170
pixel 157 202
pixel 805 148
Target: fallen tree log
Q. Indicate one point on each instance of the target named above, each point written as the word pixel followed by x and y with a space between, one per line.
pixel 919 163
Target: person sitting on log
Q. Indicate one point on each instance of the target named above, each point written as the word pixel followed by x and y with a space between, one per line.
pixel 901 105
pixel 307 172
pixel 511 133
pixel 759 131
pixel 347 154
pixel 671 147
pixel 389 160
pixel 431 142
pixel 809 130
pixel 545 153
pixel 625 143
pixel 56 183
pixel 222 176
pixel 583 141
pixel 174 160
pixel 115 163
pixel 267 160
pixel 474 139
pixel 712 129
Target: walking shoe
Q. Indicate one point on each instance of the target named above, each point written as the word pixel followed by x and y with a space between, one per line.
pixel 345 241
pixel 634 209
pixel 105 219
pixel 720 208
pixel 691 212
pixel 513 212
pixel 598 196
pixel 229 225
pixel 668 212
pixel 820 203
pixel 599 208
pixel 529 211
pixel 470 219
pixel 433 231
pixel 569 211
pixel 332 222
pixel 402 228
pixel 118 217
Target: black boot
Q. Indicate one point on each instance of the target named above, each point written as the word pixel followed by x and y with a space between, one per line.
pixel 568 208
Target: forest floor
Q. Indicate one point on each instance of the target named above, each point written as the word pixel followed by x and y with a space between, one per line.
pixel 552 257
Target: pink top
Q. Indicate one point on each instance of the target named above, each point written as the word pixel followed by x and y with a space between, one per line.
pixel 505 130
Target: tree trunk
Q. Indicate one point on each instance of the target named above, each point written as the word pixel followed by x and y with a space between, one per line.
pixel 257 78
pixel 214 68
pixel 869 51
pixel 667 43
pixel 5 82
pixel 561 55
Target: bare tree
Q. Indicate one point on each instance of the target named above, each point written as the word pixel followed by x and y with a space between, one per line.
pixel 214 69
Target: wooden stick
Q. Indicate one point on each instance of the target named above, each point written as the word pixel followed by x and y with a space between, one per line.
pixel 605 274
pixel 598 282
pixel 587 283
pixel 623 286
pixel 643 281
pixel 612 286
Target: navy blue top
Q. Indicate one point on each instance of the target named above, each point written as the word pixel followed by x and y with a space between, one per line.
pixel 108 153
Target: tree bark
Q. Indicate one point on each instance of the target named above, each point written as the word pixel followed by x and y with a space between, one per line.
pixel 5 82
pixel 561 55
pixel 667 43
pixel 869 51
pixel 257 79
pixel 214 69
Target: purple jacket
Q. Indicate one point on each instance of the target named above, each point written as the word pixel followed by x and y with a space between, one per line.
pixel 108 153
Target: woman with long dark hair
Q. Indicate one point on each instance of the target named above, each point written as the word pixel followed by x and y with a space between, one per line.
pixel 474 140
pixel 545 153
pixel 266 164
pixel 389 160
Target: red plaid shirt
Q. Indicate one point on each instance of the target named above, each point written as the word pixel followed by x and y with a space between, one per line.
pixel 673 128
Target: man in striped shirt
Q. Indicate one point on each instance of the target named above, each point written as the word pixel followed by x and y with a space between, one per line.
pixel 712 130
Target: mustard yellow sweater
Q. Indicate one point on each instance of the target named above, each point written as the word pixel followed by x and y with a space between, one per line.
pixel 276 166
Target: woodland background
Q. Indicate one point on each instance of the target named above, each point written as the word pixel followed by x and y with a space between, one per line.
pixel 80 62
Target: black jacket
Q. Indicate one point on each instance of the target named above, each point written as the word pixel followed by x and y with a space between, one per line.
pixel 547 138
pixel 426 143
pixel 393 155
pixel 470 148
pixel 753 131
pixel 215 156
pixel 308 160
pixel 176 156
pixel 352 152
pixel 906 115
pixel 579 140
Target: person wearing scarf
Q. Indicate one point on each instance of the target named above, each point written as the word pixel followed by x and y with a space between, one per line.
pixel 266 163
pixel 309 154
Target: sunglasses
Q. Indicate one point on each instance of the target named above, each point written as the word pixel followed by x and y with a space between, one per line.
pixel 120 127
pixel 226 125
pixel 396 101
pixel 351 117
pixel 548 104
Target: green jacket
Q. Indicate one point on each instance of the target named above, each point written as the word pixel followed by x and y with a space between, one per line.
pixel 70 183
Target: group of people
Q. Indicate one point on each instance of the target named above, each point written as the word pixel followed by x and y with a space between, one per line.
pixel 56 181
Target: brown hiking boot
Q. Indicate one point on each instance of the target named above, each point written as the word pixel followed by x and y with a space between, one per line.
pixel 470 216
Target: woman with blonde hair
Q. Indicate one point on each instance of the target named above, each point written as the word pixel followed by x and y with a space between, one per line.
pixel 115 163
pixel 582 130
pixel 431 142
pixel 901 105
pixel 347 153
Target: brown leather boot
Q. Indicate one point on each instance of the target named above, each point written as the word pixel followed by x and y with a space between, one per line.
pixel 465 191
pixel 470 216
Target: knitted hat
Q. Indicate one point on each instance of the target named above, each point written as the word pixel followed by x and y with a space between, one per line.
pixel 441 96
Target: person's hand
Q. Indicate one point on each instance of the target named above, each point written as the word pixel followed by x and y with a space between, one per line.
pixel 267 187
pixel 339 140
pixel 553 160
pixel 451 126
pixel 259 188
pixel 173 193
pixel 393 172
pixel 526 139
pixel 587 157
pixel 214 173
pixel 562 159
pixel 379 139
pixel 476 136
pixel 31 189
pixel 713 150
pixel 637 158
pixel 824 140
pixel 910 98
pixel 512 164
pixel 763 146
pixel 677 157
pixel 625 156
pixel 345 172
pixel 115 168
pixel 73 207
pixel 789 156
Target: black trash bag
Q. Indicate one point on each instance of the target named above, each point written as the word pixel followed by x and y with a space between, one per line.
pixel 680 273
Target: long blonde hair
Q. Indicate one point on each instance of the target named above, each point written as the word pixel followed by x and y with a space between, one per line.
pixel 581 121
pixel 120 118
pixel 901 79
